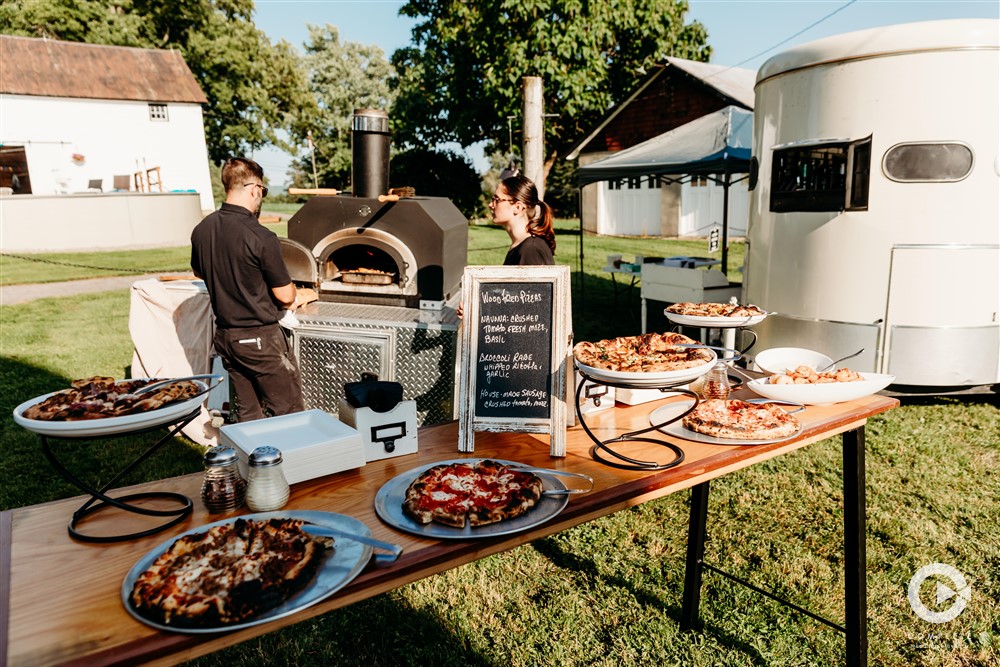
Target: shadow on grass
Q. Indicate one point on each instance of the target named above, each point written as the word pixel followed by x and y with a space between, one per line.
pixel 28 477
pixel 564 559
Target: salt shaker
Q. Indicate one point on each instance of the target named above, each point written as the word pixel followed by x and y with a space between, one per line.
pixel 717 382
pixel 223 489
pixel 267 488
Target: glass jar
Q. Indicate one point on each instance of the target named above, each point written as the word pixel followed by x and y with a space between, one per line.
pixel 223 489
pixel 717 382
pixel 267 488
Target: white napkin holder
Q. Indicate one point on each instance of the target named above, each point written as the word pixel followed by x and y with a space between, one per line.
pixel 313 443
pixel 640 396
pixel 384 434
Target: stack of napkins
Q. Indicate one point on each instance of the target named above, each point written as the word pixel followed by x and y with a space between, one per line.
pixel 312 443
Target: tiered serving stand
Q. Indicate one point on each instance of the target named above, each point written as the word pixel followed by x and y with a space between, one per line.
pixel 173 417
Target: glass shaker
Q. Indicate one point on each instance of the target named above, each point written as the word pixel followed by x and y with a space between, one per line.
pixel 267 488
pixel 717 382
pixel 223 489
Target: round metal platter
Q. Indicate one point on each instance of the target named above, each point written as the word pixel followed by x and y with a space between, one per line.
pixel 338 570
pixel 92 428
pixel 708 322
pixel 677 428
pixel 389 507
pixel 650 379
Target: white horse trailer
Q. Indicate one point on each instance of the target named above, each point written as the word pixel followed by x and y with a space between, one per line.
pixel 875 203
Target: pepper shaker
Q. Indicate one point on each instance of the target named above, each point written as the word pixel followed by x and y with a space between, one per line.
pixel 223 489
pixel 267 488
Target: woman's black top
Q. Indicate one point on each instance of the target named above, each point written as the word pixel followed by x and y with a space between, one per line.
pixel 532 251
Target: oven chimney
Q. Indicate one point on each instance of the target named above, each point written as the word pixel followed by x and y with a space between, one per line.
pixel 370 153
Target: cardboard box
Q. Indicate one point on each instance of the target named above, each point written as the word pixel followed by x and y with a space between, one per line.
pixel 383 434
pixel 312 443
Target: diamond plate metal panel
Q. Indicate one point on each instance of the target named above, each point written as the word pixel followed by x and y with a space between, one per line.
pixel 421 359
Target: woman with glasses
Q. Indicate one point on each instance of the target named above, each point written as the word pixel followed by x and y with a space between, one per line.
pixel 527 220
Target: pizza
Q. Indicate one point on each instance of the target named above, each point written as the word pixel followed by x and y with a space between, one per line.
pixel 809 375
pixel 99 397
pixel 714 310
pixel 741 420
pixel 482 493
pixel 652 352
pixel 229 573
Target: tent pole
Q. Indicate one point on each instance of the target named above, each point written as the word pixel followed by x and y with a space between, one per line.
pixel 580 213
pixel 725 222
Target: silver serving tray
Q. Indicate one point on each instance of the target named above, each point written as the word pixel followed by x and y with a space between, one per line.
pixel 389 507
pixel 339 569
pixel 678 430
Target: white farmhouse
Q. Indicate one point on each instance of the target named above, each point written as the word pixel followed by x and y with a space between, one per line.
pixel 97 131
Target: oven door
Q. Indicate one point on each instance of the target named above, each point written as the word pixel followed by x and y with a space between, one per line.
pixel 302 266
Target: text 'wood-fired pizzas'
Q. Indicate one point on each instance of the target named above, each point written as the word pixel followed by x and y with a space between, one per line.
pixel 650 353
pixel 485 492
pixel 229 573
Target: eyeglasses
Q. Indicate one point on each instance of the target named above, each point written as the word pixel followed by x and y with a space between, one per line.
pixel 496 200
pixel 263 190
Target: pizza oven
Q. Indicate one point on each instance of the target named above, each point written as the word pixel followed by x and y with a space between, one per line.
pixel 370 248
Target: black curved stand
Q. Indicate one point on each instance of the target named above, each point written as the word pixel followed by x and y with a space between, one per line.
pixel 99 498
pixel 624 462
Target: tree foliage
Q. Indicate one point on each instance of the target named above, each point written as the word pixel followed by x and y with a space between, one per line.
pixel 254 88
pixel 342 77
pixel 439 173
pixel 462 77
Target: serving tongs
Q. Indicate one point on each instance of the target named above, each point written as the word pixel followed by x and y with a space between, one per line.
pixel 162 383
pixel 394 550
pixel 559 473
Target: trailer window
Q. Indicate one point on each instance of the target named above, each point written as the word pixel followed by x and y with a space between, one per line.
pixel 942 162
pixel 809 178
pixel 859 161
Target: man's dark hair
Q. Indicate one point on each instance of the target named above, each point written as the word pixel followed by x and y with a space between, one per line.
pixel 239 170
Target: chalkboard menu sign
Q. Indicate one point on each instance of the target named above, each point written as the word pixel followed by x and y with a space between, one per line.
pixel 515 343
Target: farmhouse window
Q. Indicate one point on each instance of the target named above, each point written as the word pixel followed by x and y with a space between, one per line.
pixel 940 162
pixel 158 112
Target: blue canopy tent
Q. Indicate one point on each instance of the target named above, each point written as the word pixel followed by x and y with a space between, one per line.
pixel 715 146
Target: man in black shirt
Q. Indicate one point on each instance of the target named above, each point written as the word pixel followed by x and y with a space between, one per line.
pixel 249 288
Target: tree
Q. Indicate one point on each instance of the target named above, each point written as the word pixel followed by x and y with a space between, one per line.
pixel 462 77
pixel 439 173
pixel 254 88
pixel 342 77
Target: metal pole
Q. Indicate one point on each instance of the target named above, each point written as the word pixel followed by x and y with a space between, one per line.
pixel 534 132
pixel 312 149
pixel 725 222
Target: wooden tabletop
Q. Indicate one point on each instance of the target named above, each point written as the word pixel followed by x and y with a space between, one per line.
pixel 60 600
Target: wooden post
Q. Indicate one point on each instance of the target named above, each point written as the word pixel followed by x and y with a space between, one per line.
pixel 534 132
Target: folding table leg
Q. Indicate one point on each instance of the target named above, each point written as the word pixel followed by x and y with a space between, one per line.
pixel 855 557
pixel 695 554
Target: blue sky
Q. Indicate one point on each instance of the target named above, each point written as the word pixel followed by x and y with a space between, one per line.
pixel 741 32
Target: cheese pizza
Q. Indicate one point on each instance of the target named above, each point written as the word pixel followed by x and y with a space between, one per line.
pixel 741 420
pixel 652 352
pixel 483 493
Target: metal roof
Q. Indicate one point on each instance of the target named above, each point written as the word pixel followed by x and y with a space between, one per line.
pixel 51 68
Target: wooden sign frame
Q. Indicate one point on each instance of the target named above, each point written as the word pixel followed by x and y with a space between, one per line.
pixel 475 279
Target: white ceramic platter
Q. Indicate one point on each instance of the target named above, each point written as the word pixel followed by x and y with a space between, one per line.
pixel 338 570
pixel 707 322
pixel 650 379
pixel 389 507
pixel 823 394
pixel 91 428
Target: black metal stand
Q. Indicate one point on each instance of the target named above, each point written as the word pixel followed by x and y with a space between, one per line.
pixel 626 462
pixel 855 627
pixel 99 498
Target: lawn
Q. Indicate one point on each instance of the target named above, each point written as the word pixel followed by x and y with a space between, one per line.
pixel 608 592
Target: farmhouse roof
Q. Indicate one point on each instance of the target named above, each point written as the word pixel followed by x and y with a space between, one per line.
pixel 734 85
pixel 51 68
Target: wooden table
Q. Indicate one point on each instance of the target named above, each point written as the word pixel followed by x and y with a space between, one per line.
pixel 60 599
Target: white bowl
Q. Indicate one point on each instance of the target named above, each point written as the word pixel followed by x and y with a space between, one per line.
pixel 779 359
pixel 822 394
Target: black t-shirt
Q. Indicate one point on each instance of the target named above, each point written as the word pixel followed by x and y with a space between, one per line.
pixel 532 251
pixel 240 261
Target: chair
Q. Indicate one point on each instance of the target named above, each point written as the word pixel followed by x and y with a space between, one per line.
pixel 153 179
pixel 140 183
pixel 123 182
pixel 96 184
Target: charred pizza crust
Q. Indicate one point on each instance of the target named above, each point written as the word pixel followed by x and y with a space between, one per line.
pixel 229 573
pixel 482 493
pixel 652 352
pixel 714 309
pixel 741 420
pixel 100 397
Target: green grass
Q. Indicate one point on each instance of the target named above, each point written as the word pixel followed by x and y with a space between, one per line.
pixel 608 592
